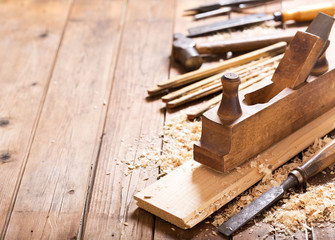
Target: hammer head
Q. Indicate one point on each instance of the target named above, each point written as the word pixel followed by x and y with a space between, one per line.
pixel 185 53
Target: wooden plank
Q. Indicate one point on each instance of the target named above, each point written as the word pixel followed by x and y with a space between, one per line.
pixel 52 193
pixel 30 34
pixel 162 228
pixel 144 60
pixel 204 191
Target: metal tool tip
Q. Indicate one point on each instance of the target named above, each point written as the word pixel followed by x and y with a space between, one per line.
pixel 192 10
pixel 225 230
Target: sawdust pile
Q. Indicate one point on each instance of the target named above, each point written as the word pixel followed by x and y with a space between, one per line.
pixel 178 137
pixel 296 210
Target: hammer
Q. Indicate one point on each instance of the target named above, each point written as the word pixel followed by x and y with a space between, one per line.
pixel 187 52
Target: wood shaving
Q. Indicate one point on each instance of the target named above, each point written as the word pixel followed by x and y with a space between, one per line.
pixel 178 135
pixel 296 211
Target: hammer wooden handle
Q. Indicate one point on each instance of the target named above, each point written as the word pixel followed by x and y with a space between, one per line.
pixel 243 45
pixel 198 74
pixel 308 12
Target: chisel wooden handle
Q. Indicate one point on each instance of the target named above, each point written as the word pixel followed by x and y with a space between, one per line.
pixel 317 163
pixel 307 13
pixel 243 45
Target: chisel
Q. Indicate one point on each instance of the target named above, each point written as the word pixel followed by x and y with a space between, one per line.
pixel 301 14
pixel 226 10
pixel 226 3
pixel 316 164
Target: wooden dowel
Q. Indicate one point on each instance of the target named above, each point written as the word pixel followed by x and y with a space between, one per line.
pixel 262 64
pixel 256 79
pixel 196 95
pixel 216 78
pixel 244 67
pixel 191 87
pixel 212 102
pixel 201 73
pixel 154 91
pixel 254 74
pixel 204 107
pixel 210 90
pixel 160 90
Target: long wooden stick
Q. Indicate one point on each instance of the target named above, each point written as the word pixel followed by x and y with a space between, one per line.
pixel 198 74
pixel 212 102
pixel 191 87
pixel 195 95
pixel 262 64
pixel 243 71
pixel 204 107
pixel 156 91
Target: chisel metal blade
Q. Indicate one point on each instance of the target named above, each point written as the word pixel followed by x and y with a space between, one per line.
pixel 321 26
pixel 314 165
pixel 231 23
pixel 250 211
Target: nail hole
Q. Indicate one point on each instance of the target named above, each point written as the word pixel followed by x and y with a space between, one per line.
pixel 5 156
pixel 43 35
pixel 4 122
pixel 34 84
pixel 71 191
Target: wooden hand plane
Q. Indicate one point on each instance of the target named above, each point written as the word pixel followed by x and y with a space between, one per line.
pixel 248 122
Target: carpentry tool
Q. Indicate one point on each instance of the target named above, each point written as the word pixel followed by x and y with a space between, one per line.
pixel 192 192
pixel 305 13
pixel 294 72
pixel 191 77
pixel 245 58
pixel 257 128
pixel 214 6
pixel 226 10
pixel 316 164
pixel 186 51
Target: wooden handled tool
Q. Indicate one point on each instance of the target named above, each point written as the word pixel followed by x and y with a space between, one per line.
pixel 201 73
pixel 316 164
pixel 187 52
pixel 301 14
pixel 306 13
pixel 297 63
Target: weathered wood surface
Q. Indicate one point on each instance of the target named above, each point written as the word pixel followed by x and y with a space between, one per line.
pixel 71 71
pixel 30 34
pixel 144 58
pixel 53 188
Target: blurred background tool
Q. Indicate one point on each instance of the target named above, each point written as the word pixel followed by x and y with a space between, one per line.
pixel 188 53
pixel 218 5
pixel 301 14
pixel 226 10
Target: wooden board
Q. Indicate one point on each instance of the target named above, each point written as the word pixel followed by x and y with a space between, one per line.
pixel 203 191
pixel 143 60
pixel 32 113
pixel 52 192
pixel 30 34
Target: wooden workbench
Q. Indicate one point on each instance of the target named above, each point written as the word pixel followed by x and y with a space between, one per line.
pixel 73 80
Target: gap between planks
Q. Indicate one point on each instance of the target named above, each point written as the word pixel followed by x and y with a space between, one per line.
pixel 67 229
pixel 21 168
pixel 104 115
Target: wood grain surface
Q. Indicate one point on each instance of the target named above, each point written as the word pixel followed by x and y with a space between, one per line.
pixel 73 80
pixel 52 191
pixel 30 35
